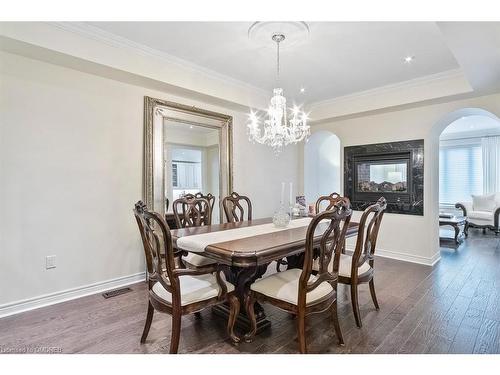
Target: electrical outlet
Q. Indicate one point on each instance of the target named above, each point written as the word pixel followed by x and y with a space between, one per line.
pixel 50 262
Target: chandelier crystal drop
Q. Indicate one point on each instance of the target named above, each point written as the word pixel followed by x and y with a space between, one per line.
pixel 277 131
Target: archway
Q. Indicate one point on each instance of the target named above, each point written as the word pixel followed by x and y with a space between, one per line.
pixel 321 165
pixel 455 115
pixel 469 159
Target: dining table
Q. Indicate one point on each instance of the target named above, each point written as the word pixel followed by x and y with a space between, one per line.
pixel 245 249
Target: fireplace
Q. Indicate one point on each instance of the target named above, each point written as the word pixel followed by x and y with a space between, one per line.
pixel 390 170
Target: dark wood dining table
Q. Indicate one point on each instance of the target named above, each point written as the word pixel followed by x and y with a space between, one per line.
pixel 246 259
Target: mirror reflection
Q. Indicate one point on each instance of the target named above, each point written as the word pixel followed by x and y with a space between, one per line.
pixel 191 155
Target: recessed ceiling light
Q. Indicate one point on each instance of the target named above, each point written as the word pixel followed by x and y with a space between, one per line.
pixel 302 90
pixel 190 126
pixel 409 59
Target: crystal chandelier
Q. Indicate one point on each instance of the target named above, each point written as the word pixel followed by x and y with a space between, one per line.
pixel 277 131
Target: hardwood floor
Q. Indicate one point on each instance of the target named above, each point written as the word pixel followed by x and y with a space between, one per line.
pixel 451 308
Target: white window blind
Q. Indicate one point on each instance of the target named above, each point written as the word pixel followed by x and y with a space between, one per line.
pixel 460 171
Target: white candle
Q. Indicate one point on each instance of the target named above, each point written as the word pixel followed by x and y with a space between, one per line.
pixel 290 202
pixel 282 201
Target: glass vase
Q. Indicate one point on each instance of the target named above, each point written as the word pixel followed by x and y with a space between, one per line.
pixel 281 218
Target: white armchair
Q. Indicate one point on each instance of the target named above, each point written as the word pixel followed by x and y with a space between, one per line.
pixel 483 212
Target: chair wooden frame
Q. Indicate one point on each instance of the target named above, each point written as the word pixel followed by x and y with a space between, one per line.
pixel 194 211
pixel 211 200
pixel 364 252
pixel 209 197
pixel 160 261
pixel 332 199
pixel 231 205
pixel 330 247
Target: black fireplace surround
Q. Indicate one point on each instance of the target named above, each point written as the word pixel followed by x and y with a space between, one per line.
pixel 392 170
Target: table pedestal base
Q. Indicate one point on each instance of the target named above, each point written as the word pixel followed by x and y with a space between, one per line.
pixel 242 278
pixel 242 321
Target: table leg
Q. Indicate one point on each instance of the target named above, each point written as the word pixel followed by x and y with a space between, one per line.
pixel 242 278
pixel 457 232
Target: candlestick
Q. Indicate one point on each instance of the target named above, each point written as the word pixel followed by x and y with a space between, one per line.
pixel 282 201
pixel 290 202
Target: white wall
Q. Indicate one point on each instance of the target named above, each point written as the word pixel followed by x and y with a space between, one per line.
pixel 321 165
pixel 71 150
pixel 413 238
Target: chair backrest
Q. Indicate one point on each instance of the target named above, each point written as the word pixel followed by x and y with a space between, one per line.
pixel 333 223
pixel 366 242
pixel 190 211
pixel 209 197
pixel 330 200
pixel 158 248
pixel 234 210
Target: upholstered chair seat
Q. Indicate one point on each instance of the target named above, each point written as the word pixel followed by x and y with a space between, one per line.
pixel 344 266
pixel 193 289
pixel 197 260
pixel 485 216
pixel 285 286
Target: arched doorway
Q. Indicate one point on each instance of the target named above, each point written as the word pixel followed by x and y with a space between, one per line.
pixel 321 165
pixel 469 161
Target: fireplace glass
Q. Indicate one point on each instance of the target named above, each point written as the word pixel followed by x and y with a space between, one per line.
pixel 382 176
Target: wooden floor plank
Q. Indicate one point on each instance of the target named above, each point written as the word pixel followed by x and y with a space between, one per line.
pixel 488 337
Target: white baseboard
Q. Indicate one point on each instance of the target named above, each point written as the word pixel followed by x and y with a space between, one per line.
pixel 405 257
pixel 69 294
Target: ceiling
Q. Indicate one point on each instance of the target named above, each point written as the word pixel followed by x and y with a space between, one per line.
pixel 186 154
pixel 476 124
pixel 336 59
pixel 346 68
pixel 189 129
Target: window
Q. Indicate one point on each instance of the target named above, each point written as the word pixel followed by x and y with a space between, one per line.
pixel 175 181
pixel 460 170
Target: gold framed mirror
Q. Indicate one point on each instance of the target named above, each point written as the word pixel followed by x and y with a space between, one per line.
pixel 186 150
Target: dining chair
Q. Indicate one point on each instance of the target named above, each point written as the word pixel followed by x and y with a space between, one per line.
pixel 178 291
pixel 358 268
pixel 210 198
pixel 299 292
pixel 233 208
pixel 190 211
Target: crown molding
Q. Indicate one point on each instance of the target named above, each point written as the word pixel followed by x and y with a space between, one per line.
pixel 416 82
pixel 100 35
pixel 447 83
